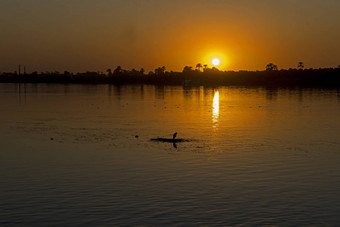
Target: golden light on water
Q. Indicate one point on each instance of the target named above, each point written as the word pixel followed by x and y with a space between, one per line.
pixel 216 107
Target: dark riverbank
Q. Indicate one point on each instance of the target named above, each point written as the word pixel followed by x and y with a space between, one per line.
pixel 329 77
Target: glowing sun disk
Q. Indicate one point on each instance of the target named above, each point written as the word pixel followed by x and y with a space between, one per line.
pixel 215 61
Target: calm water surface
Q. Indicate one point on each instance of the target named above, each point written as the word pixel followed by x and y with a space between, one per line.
pixel 69 156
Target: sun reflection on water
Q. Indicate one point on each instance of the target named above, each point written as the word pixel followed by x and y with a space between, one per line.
pixel 216 108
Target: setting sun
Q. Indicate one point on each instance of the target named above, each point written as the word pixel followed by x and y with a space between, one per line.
pixel 216 58
pixel 216 61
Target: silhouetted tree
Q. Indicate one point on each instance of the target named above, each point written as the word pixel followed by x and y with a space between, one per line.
pixel 133 72
pixel 109 72
pixel 205 67
pixel 212 70
pixel 322 77
pixel 199 66
pixel 300 65
pixel 187 69
pixel 118 70
pixel 160 70
pixel 271 67
pixel 141 71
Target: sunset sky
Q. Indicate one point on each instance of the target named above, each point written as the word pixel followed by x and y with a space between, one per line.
pixel 88 35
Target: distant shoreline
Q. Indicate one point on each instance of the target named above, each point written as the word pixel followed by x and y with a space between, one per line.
pixel 328 77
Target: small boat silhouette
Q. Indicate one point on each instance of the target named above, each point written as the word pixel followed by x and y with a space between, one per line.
pixel 168 140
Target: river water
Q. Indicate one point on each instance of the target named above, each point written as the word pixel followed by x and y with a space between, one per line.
pixel 75 155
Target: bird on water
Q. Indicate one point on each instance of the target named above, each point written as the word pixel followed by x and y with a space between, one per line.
pixel 174 136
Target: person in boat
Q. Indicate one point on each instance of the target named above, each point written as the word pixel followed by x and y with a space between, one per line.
pixel 174 136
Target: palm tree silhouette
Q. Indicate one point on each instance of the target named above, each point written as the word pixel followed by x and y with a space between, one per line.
pixel 300 65
pixel 199 66
pixel 205 67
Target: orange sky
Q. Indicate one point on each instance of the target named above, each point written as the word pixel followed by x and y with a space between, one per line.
pixel 81 35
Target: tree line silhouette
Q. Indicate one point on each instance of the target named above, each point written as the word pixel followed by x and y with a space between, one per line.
pixel 201 75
